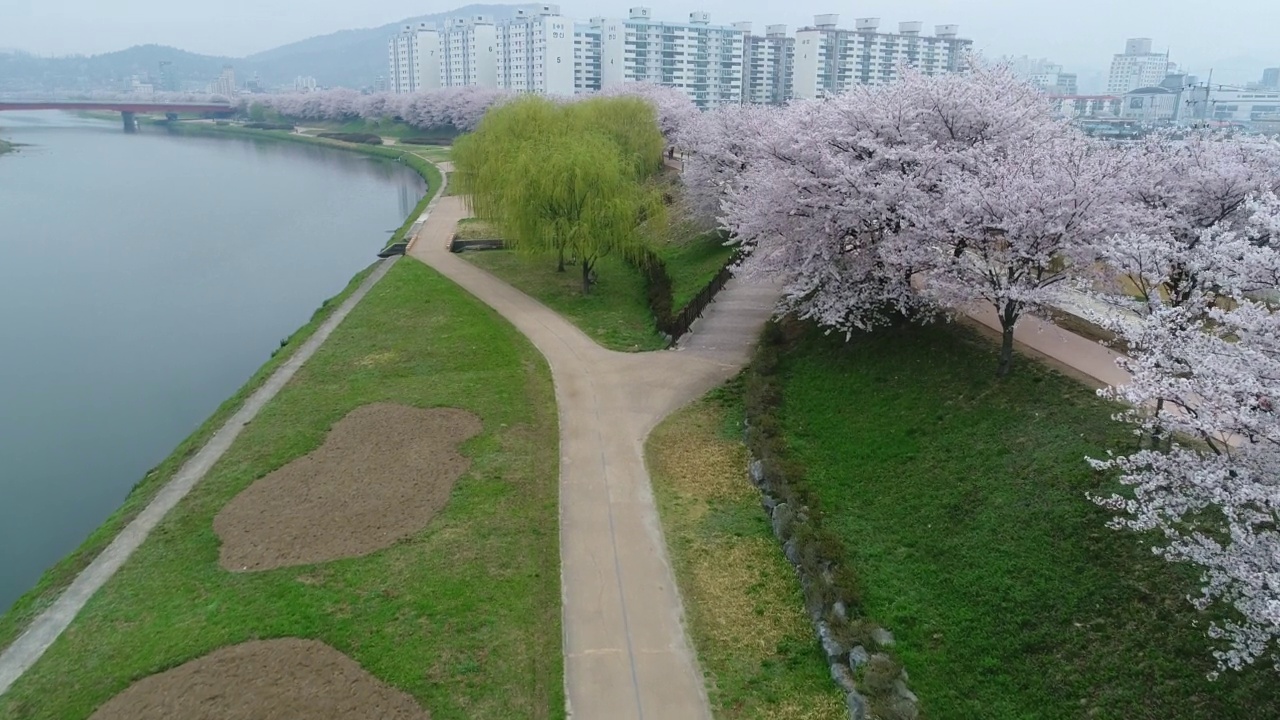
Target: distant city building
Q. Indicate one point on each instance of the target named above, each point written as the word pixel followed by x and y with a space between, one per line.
pixel 1087 106
pixel 226 82
pixel 767 65
pixel 1048 76
pixel 1151 105
pixel 1271 78
pixel 139 86
pixel 830 60
pixel 535 52
pixel 1137 67
pixel 1246 107
pixel 380 84
pixel 304 83
pixel 541 51
pixel 168 78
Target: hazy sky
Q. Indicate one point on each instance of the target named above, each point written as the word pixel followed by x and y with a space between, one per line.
pixel 1082 34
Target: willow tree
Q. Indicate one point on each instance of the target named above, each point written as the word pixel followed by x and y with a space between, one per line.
pixel 566 179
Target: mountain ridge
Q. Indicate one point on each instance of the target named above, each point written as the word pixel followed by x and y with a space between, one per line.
pixel 348 58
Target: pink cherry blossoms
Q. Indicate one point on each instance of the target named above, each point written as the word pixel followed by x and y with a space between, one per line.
pixel 460 108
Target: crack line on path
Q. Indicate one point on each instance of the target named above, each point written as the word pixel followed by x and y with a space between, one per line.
pixel 613 539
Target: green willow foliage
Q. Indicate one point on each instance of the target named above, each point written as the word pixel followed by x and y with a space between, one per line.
pixel 572 180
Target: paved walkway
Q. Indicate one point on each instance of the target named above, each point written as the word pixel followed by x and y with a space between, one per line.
pixel 626 655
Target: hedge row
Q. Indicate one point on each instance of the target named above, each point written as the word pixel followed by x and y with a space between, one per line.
pixel 661 295
pixel 856 648
pixel 358 138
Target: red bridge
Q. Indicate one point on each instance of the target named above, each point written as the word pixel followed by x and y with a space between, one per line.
pixel 128 109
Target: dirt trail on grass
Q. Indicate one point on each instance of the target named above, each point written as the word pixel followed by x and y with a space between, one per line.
pixel 287 679
pixel 381 474
pixel 626 655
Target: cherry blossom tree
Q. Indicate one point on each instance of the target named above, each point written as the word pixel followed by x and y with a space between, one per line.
pixel 1185 188
pixel 459 108
pixel 1014 220
pixel 1209 372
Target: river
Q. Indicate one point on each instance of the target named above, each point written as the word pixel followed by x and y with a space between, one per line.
pixel 143 278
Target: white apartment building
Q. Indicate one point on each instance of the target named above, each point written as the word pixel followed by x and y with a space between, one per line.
pixel 414 59
pixel 469 52
pixel 830 60
pixel 701 59
pixel 767 64
pixel 1137 67
pixel 536 53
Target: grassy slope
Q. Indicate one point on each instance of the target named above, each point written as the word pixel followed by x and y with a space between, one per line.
pixel 693 264
pixel 615 314
pixel 742 600
pixel 60 575
pixel 464 615
pixel 963 501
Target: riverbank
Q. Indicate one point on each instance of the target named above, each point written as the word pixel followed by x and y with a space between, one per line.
pixel 462 614
pixel 5 147
pixel 410 158
pixel 16 617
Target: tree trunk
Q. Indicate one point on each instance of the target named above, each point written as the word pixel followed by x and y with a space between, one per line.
pixel 586 277
pixel 1008 319
pixel 1006 352
pixel 560 267
pixel 1156 432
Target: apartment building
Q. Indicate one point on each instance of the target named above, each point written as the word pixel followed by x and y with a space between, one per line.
pixel 413 57
pixel 1137 67
pixel 536 52
pixel 541 51
pixel 830 60
pixel 701 59
pixel 767 76
pixel 469 52
pixel 586 56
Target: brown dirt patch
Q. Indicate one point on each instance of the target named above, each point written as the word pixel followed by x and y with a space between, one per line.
pixel 382 473
pixel 287 679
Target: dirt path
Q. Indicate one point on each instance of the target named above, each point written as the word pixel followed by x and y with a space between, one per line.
pixel 626 655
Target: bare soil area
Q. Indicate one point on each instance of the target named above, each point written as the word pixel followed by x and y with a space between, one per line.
pixel 286 679
pixel 381 474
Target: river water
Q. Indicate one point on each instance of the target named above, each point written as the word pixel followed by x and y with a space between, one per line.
pixel 143 278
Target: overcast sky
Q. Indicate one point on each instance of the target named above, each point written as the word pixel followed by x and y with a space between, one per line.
pixel 1082 34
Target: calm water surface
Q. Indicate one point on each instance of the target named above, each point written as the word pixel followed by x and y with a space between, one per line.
pixel 143 278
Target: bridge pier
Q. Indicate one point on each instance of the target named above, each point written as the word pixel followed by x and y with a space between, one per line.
pixel 130 121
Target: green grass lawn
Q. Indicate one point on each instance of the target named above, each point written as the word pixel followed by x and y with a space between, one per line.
pixel 742 601
pixel 693 263
pixel 615 314
pixel 464 615
pixel 962 502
